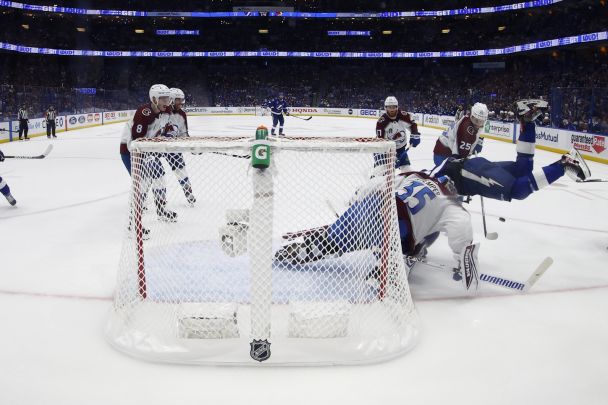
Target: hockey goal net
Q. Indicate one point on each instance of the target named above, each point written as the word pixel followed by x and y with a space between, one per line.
pixel 298 263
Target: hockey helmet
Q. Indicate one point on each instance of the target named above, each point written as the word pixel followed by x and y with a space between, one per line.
pixel 157 91
pixel 479 114
pixel 177 93
pixel 391 101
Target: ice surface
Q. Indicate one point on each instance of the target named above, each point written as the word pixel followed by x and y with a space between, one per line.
pixel 59 251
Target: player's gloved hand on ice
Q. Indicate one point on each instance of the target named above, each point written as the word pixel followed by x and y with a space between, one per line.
pixel 1 156
pixel 479 146
pixel 414 140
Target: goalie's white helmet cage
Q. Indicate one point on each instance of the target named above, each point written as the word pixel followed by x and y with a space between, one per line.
pixel 189 294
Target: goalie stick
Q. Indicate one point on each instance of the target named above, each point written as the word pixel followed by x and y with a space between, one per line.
pixel 306 232
pixel 232 155
pixel 500 281
pixel 488 235
pixel 44 154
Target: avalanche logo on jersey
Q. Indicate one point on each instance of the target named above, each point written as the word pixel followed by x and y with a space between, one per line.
pixel 146 112
pixel 171 130
pixel 395 137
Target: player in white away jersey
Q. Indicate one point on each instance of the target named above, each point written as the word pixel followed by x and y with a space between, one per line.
pixel 148 122
pixel 178 126
pixel 394 125
pixel 463 139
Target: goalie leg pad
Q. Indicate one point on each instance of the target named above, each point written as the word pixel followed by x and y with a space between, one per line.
pixel 208 321
pixel 233 239
pixel 319 320
pixel 468 267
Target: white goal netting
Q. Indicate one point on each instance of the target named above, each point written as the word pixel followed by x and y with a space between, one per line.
pixel 299 263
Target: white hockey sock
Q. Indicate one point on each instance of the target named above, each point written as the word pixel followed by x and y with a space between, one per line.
pixel 540 178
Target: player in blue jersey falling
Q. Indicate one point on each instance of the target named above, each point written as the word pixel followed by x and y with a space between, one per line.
pixel 278 107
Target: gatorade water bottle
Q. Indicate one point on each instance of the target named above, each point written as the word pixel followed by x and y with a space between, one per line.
pixel 260 152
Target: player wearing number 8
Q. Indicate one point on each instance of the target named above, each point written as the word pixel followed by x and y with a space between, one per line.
pixel 147 123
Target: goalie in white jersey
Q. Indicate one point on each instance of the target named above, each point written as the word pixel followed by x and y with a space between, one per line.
pixel 426 206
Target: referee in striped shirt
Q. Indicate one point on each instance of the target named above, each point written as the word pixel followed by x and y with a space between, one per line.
pixel 23 121
pixel 50 122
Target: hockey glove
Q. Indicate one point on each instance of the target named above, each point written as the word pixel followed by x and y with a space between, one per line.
pixel 287 113
pixel 1 156
pixel 479 146
pixel 403 161
pixel 414 140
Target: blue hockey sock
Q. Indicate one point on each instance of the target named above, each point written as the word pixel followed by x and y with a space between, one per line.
pixel 526 185
pixel 548 175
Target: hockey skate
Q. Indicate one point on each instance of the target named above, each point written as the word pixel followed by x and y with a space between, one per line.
pixel 575 166
pixel 166 215
pixel 189 195
pixel 145 232
pixel 191 198
pixel 11 200
pixel 529 109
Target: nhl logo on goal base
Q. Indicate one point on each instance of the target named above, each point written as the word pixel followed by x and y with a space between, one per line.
pixel 260 350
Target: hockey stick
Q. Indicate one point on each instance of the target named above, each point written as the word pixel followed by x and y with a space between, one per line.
pixel 231 155
pixel 306 232
pixel 45 154
pixel 300 118
pixel 499 281
pixel 488 235
pixel 592 181
pixel 491 235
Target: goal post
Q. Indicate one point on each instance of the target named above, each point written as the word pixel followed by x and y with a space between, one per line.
pixel 298 263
